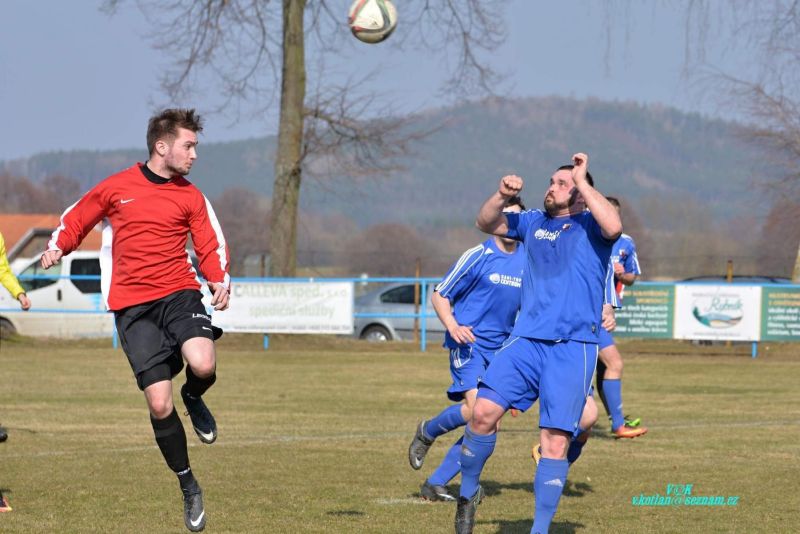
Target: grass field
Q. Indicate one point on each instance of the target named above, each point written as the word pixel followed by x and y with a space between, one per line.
pixel 314 433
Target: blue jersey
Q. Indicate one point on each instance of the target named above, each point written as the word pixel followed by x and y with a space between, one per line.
pixel 564 284
pixel 484 288
pixel 624 252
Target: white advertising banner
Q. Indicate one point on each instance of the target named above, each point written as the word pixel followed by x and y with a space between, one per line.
pixel 730 312
pixel 289 308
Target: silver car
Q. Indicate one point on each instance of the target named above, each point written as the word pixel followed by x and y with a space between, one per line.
pixel 387 314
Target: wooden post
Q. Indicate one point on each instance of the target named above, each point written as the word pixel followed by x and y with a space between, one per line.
pixel 417 271
pixel 729 279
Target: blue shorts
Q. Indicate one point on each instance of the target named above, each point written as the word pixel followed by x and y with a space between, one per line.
pixel 559 374
pixel 467 365
pixel 604 339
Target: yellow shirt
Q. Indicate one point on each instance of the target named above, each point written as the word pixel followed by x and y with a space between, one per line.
pixel 7 277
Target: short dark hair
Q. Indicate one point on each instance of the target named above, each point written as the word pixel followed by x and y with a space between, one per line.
pixel 614 201
pixel 166 124
pixel 570 167
pixel 515 201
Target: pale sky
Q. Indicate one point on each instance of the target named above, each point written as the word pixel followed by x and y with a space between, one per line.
pixel 72 77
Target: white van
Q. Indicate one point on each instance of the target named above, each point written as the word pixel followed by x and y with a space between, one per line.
pixel 81 310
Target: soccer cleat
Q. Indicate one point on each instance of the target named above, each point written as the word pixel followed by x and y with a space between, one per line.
pixel 536 453
pixel 627 431
pixel 3 434
pixel 194 514
pixel 434 492
pixel 203 422
pixel 465 512
pixel 419 447
pixel 4 506
pixel 633 422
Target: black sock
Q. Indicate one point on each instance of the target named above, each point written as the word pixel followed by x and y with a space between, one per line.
pixel 196 386
pixel 171 439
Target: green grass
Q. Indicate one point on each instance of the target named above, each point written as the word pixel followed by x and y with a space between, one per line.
pixel 314 433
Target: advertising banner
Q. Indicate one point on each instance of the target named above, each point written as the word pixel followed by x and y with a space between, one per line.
pixel 647 311
pixel 780 314
pixel 289 308
pixel 726 312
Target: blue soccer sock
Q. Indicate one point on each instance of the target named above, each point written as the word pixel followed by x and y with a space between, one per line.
pixel 613 391
pixel 548 485
pixel 449 419
pixel 475 450
pixel 576 446
pixel 449 467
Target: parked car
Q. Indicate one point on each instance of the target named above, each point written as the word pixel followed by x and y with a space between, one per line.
pixel 81 311
pixel 81 300
pixel 396 298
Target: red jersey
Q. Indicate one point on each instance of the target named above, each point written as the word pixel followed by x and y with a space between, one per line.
pixel 150 223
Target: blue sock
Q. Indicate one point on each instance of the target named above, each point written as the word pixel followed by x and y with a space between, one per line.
pixel 576 446
pixel 613 392
pixel 548 484
pixel 475 450
pixel 449 467
pixel 449 419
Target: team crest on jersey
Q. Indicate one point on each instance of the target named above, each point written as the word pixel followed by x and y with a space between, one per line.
pixel 566 226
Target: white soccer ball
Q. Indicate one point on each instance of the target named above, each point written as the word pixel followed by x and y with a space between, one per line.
pixel 372 21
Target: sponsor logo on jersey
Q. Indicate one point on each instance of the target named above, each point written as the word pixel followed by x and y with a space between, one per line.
pixel 505 279
pixel 541 233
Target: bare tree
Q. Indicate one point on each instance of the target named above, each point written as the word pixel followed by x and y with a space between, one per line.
pixel 766 96
pixel 254 46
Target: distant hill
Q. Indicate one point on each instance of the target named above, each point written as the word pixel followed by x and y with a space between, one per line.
pixel 642 153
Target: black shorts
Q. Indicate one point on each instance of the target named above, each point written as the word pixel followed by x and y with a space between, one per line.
pixel 152 334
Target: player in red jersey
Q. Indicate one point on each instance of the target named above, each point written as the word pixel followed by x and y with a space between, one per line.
pixel 153 289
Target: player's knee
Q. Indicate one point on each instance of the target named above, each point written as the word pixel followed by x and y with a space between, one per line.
pixel 554 445
pixel 484 417
pixel 160 408
pixel 204 368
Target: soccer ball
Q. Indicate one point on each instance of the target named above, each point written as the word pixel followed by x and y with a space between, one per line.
pixel 372 21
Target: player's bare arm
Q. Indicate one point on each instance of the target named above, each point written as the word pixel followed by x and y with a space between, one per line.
pixel 490 217
pixel 626 278
pixel 50 258
pixel 220 295
pixel 609 318
pixel 460 333
pixel 602 210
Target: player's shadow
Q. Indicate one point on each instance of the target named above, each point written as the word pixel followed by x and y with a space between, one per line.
pixel 492 488
pixel 345 513
pixel 523 526
pixel 571 489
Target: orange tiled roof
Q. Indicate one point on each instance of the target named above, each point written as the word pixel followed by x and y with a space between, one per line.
pixel 15 225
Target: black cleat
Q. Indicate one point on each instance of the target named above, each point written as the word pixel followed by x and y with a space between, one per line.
pixel 419 447
pixel 433 492
pixel 3 434
pixel 203 422
pixel 465 512
pixel 194 514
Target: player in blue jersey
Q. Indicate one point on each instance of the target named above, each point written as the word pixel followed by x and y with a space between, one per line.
pixel 477 302
pixel 551 353
pixel 609 365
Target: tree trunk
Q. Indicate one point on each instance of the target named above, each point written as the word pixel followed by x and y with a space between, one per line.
pixel 286 191
pixel 796 271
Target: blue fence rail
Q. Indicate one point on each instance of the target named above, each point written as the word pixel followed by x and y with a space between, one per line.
pixel 786 295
